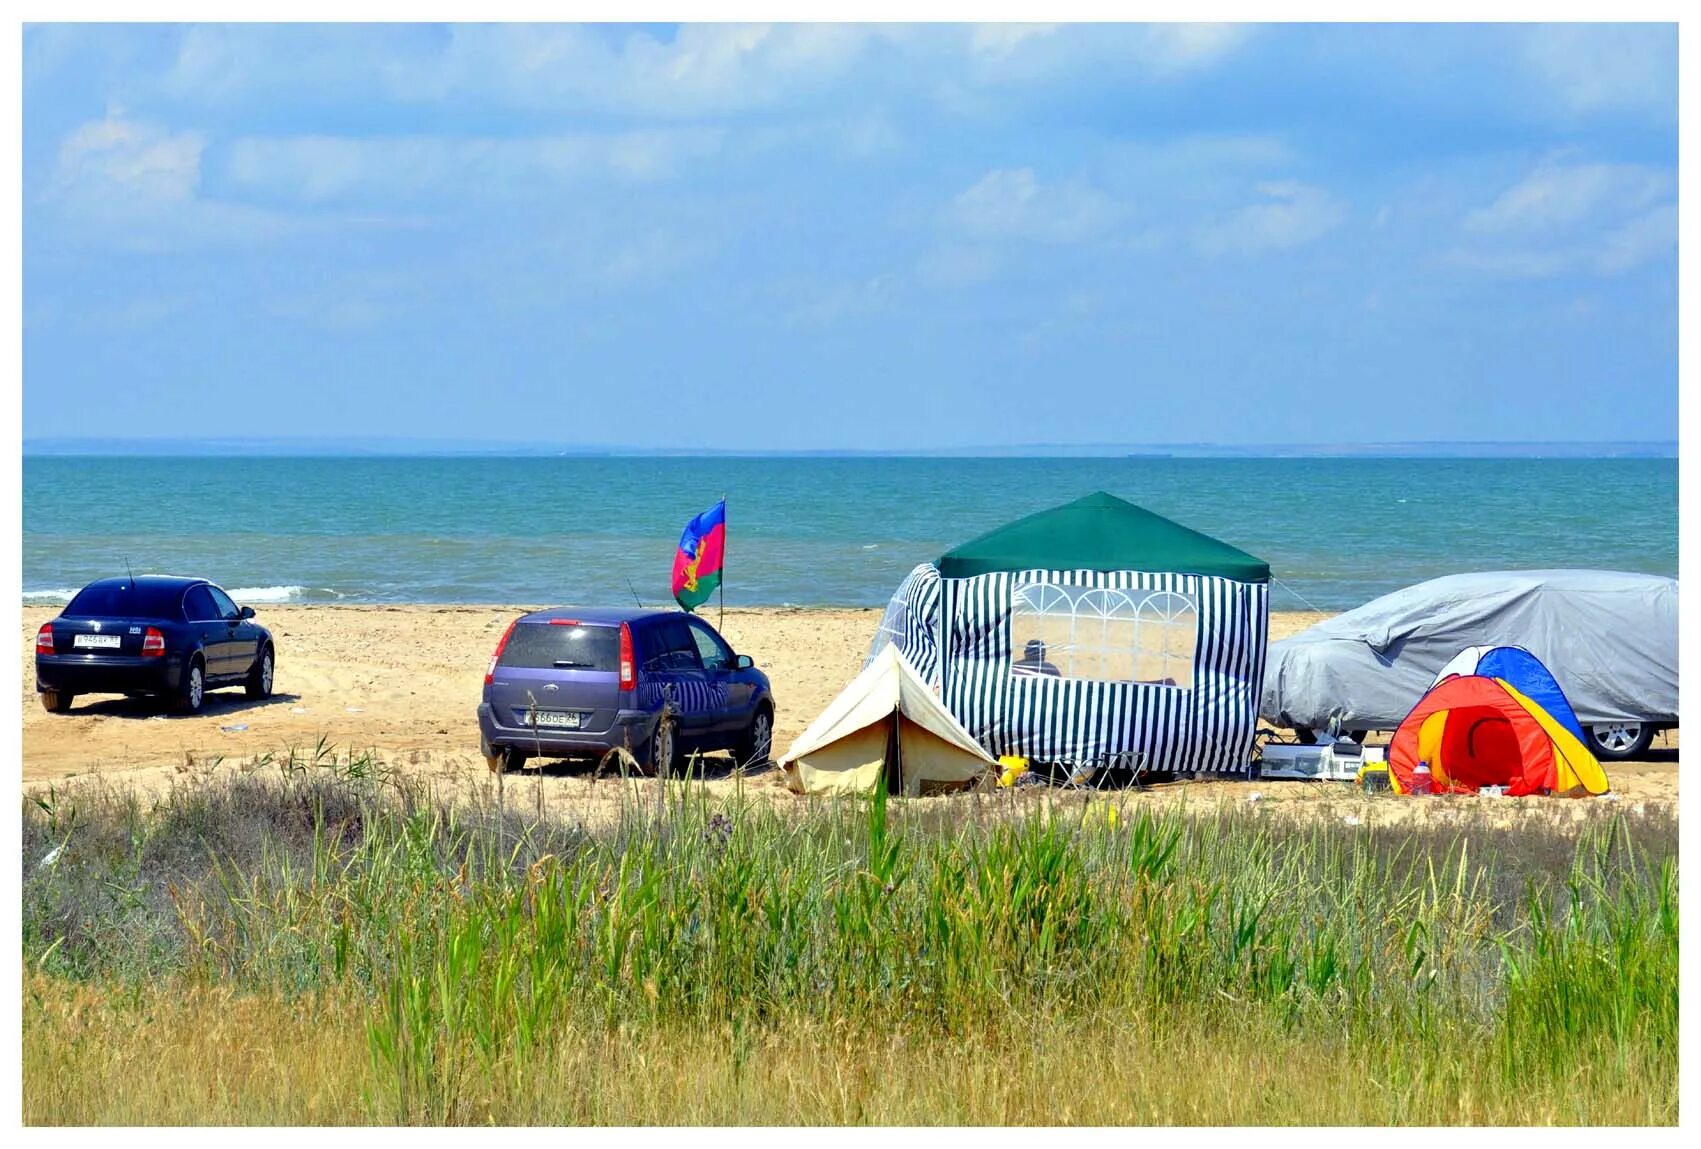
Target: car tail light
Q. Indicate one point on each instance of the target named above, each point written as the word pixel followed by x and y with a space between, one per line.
pixel 153 643
pixel 44 639
pixel 563 622
pixel 628 670
pixel 495 655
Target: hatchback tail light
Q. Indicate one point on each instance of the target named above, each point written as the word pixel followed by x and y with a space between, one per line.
pixel 490 672
pixel 153 643
pixel 44 639
pixel 628 669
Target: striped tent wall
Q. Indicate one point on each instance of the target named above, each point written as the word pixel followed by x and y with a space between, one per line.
pixel 912 622
pixel 1208 729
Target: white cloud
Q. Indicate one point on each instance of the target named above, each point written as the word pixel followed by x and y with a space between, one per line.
pixel 1012 203
pixel 1569 217
pixel 1186 47
pixel 1604 67
pixel 999 41
pixel 322 168
pixel 1558 194
pixel 1292 214
pixel 698 71
pixel 125 158
pixel 957 265
pixel 846 300
pixel 1649 236
pixel 136 185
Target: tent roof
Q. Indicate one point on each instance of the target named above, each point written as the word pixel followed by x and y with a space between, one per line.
pixel 1100 533
pixel 886 685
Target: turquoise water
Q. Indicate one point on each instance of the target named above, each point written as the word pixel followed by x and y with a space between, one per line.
pixel 808 531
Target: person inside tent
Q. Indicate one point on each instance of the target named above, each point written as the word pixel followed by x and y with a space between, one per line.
pixel 1033 661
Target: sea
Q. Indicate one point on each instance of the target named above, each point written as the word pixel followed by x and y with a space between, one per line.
pixel 807 531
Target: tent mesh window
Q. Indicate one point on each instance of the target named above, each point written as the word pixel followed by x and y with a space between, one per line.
pixel 1104 634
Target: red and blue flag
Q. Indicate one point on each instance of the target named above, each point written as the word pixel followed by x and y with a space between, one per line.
pixel 697 566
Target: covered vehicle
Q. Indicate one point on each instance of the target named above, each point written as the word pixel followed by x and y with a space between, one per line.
pixel 1609 638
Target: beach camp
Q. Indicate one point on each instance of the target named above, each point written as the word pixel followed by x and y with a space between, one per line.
pixel 1094 633
pixel 1495 717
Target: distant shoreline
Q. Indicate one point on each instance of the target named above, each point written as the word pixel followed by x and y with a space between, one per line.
pixel 87 448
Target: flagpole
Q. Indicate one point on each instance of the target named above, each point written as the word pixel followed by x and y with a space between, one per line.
pixel 725 535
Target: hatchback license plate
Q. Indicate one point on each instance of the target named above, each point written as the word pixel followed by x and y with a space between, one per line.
pixel 107 641
pixel 563 719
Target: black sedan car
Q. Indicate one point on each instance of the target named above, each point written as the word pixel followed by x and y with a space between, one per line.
pixel 175 638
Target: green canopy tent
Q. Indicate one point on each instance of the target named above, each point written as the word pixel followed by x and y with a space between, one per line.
pixel 1096 632
pixel 1100 532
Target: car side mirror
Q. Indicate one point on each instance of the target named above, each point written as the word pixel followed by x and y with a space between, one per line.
pixel 743 662
pixel 247 612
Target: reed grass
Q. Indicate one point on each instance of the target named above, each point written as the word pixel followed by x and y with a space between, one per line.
pixel 322 942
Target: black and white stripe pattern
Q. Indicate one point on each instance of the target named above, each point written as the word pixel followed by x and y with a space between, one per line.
pixel 1206 729
pixel 912 621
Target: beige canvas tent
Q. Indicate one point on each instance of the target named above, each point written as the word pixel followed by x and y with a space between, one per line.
pixel 886 722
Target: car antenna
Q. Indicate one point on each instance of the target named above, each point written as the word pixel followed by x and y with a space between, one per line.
pixel 634 591
pixel 128 571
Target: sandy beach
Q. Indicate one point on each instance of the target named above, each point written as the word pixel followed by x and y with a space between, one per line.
pixel 402 682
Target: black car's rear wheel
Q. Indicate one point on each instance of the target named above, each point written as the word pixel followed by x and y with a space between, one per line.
pixel 56 701
pixel 193 690
pixel 259 683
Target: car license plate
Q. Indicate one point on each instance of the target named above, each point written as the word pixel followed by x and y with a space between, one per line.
pixel 561 719
pixel 107 641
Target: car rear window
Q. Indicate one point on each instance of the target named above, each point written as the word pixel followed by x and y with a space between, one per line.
pixel 542 645
pixel 127 600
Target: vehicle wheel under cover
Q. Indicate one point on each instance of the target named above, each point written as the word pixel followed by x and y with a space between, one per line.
pixel 56 701
pixel 193 692
pixel 757 745
pixel 259 683
pixel 1616 741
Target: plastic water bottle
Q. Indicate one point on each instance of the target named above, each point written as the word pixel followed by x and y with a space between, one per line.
pixel 1423 782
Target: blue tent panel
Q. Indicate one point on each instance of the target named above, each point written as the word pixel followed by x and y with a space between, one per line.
pixel 1526 672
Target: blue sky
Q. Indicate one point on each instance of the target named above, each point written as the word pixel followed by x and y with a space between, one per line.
pixel 831 237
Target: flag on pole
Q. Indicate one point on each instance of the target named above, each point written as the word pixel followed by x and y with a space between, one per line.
pixel 697 566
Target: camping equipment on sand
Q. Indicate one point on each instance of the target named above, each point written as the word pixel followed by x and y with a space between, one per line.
pixel 888 723
pixel 1094 634
pixel 1471 731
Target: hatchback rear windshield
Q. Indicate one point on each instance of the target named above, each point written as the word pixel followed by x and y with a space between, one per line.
pixel 542 645
pixel 127 600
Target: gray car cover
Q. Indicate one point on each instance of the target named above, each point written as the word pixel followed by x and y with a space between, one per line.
pixel 1610 639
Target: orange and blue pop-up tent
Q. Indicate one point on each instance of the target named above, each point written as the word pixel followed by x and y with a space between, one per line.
pixel 1476 731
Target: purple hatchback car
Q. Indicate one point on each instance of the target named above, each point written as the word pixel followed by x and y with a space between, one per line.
pixel 575 681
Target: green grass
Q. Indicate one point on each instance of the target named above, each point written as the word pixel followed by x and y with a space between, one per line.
pixel 323 943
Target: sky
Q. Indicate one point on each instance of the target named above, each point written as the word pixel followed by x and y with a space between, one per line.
pixel 825 237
